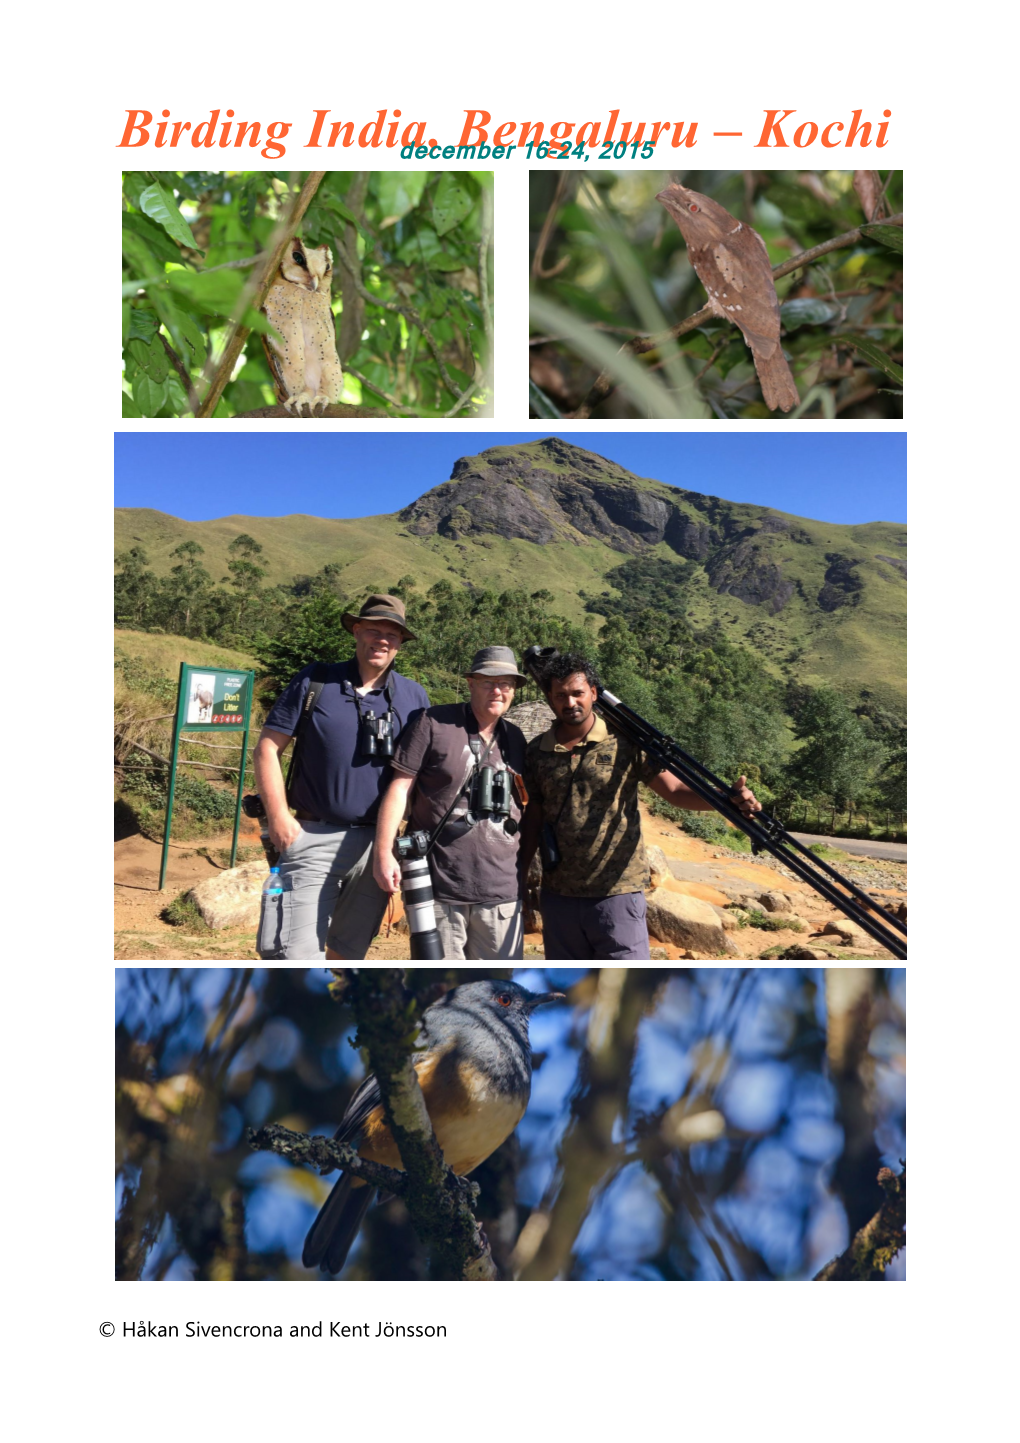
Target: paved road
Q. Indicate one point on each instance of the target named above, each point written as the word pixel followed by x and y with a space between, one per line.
pixel 857 847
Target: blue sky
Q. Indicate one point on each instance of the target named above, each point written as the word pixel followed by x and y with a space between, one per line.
pixel 848 477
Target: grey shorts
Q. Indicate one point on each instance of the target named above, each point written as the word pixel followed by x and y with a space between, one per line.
pixel 472 933
pixel 590 929
pixel 293 926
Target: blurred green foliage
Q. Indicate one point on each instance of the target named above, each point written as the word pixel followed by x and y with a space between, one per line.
pixel 416 238
pixel 608 240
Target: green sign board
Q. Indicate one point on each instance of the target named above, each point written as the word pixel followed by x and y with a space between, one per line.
pixel 209 700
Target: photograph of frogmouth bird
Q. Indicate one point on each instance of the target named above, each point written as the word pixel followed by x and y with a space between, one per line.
pixel 475 1074
pixel 732 263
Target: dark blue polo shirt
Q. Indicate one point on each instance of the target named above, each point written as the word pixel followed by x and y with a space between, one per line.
pixel 334 782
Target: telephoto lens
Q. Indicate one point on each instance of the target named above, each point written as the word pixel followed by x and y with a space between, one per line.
pixel 419 899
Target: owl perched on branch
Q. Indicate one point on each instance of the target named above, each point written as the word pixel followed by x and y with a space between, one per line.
pixel 732 263
pixel 303 360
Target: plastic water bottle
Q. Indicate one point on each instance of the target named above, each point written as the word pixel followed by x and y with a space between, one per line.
pixel 275 885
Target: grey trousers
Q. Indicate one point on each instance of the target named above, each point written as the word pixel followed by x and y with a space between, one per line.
pixel 472 933
pixel 293 926
pixel 591 929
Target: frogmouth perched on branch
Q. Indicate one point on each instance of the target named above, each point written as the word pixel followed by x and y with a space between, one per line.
pixel 733 265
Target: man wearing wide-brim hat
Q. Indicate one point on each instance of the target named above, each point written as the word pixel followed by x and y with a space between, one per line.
pixel 460 767
pixel 344 718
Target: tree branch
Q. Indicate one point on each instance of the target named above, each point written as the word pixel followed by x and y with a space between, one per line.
pixel 589 1155
pixel 408 312
pixel 439 1202
pixel 325 1154
pixel 256 288
pixel 641 344
pixel 878 1241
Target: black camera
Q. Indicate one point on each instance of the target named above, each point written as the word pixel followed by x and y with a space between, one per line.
pixel 411 845
pixel 549 848
pixel 253 806
pixel 377 735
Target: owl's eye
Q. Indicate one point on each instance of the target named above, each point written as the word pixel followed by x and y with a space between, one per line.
pixel 504 999
pixel 692 207
pixel 299 259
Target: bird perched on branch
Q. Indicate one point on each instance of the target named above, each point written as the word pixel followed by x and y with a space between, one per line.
pixel 302 357
pixel 733 265
pixel 474 1069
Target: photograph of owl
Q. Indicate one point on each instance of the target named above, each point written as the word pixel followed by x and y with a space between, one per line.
pixel 302 358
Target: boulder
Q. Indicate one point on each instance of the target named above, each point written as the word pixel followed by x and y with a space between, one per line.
pixel 658 865
pixel 775 902
pixel 232 898
pixel 687 923
pixel 847 931
pixel 798 953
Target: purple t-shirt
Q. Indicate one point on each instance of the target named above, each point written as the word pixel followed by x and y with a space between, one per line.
pixel 474 860
pixel 334 782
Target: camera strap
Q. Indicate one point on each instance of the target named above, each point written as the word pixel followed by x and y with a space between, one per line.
pixel 317 680
pixel 478 757
pixel 387 693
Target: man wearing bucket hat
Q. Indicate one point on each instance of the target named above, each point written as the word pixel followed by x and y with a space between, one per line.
pixel 460 766
pixel 347 718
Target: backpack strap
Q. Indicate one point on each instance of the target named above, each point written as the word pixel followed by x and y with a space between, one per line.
pixel 317 680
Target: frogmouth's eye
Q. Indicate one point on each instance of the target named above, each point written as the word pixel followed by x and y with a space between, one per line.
pixel 693 208
pixel 504 999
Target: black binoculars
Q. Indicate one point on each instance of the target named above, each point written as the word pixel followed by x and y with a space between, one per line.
pixel 490 793
pixel 253 806
pixel 377 735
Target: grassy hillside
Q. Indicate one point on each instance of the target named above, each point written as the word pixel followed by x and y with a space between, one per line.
pixel 837 614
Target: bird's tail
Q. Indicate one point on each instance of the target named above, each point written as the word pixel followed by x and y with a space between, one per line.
pixel 777 384
pixel 333 1232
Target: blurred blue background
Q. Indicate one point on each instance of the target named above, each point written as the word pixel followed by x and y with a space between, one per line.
pixel 753 1107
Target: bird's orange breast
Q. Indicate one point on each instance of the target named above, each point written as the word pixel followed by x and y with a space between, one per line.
pixel 469 1116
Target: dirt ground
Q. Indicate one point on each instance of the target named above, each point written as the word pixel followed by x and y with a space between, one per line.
pixel 142 934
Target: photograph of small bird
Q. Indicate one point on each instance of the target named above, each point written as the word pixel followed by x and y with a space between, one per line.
pixel 474 1068
pixel 732 263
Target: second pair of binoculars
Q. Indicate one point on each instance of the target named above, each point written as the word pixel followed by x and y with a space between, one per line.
pixel 490 793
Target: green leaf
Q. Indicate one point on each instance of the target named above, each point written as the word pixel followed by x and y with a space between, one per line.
pixel 875 356
pixel 149 396
pixel 541 404
pixel 215 292
pixel 889 235
pixel 128 409
pixel 452 202
pixel 153 236
pixel 191 341
pixel 144 323
pixel 125 322
pixel 399 192
pixel 441 261
pixel 807 311
pixel 161 206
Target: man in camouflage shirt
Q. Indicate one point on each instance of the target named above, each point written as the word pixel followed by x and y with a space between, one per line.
pixel 582 782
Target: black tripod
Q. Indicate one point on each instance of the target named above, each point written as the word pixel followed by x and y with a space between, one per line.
pixel 764 831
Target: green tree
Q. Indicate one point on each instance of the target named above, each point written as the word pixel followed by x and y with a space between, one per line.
pixel 838 760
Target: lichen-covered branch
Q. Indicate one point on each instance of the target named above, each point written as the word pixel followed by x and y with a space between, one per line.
pixel 325 1154
pixel 878 1241
pixel 439 1203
